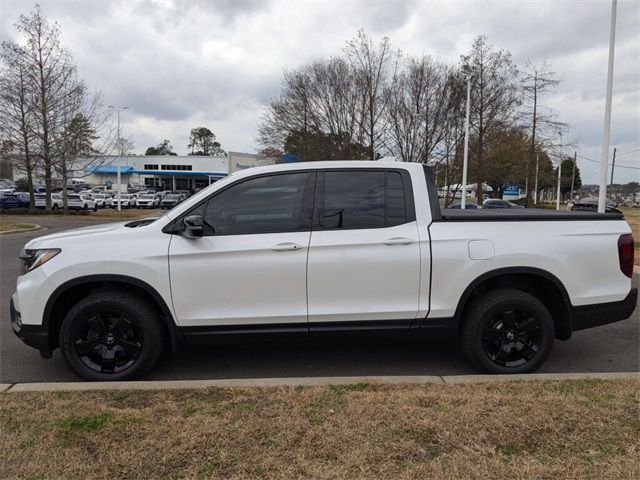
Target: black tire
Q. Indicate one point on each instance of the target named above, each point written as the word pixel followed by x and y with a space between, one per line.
pixel 111 335
pixel 507 331
pixel 55 207
pixel 95 208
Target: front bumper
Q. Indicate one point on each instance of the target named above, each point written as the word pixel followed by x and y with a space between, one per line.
pixel 589 316
pixel 36 336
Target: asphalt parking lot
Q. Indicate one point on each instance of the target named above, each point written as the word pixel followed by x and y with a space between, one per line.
pixel 610 348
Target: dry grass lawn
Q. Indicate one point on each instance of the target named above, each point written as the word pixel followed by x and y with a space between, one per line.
pixel 632 216
pixel 524 430
pixel 8 226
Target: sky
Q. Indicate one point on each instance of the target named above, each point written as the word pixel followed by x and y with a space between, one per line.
pixel 182 64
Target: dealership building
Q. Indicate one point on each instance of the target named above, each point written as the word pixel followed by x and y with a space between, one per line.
pixel 176 172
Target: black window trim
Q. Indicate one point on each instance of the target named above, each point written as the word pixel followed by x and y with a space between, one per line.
pixel 312 194
pixel 407 188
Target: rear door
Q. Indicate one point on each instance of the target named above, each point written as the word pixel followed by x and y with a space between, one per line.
pixel 364 254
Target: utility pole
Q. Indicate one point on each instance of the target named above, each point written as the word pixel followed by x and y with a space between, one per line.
pixel 535 198
pixel 606 130
pixel 613 166
pixel 466 146
pixel 118 178
pixel 573 173
pixel 559 176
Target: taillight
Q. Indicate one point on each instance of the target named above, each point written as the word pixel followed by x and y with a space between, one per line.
pixel 625 254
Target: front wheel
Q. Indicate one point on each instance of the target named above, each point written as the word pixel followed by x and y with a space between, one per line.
pixel 111 335
pixel 507 331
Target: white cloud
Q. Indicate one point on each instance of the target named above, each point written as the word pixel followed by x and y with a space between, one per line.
pixel 183 64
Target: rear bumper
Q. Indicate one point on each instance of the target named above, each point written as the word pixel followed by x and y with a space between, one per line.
pixel 589 316
pixel 35 336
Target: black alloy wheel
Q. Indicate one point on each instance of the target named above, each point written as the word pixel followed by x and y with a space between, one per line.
pixel 111 335
pixel 108 342
pixel 507 331
pixel 512 338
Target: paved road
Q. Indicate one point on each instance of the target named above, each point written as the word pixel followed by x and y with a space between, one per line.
pixel 610 348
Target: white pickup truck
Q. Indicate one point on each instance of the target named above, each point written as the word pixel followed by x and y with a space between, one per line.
pixel 326 247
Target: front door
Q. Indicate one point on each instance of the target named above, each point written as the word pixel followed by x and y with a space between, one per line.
pixel 250 267
pixel 364 255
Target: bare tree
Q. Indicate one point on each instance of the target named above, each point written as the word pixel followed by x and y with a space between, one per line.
pixel 416 113
pixel 495 97
pixel 16 114
pixel 49 69
pixel 537 119
pixel 373 69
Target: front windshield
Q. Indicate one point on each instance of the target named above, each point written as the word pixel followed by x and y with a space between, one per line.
pixel 147 197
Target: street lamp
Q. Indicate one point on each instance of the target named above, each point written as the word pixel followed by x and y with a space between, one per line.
pixel 468 72
pixel 118 110
pixel 559 173
pixel 606 130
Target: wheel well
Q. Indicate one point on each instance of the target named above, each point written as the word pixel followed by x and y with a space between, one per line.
pixel 62 303
pixel 543 288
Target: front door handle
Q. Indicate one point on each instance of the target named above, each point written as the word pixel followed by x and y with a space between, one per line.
pixel 399 241
pixel 283 247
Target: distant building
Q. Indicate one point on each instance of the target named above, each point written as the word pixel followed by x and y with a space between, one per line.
pixel 180 172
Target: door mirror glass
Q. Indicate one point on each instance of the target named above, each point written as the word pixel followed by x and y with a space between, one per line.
pixel 193 226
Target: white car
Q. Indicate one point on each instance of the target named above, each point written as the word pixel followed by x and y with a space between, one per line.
pixel 103 200
pixel 56 200
pixel 148 201
pixel 323 247
pixel 127 200
pixel 78 201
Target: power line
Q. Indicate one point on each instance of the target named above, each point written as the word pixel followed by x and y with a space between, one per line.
pixel 598 161
pixel 630 151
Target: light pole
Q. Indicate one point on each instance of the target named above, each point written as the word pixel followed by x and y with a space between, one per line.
pixel 535 198
pixel 465 160
pixel 606 130
pixel 559 173
pixel 118 182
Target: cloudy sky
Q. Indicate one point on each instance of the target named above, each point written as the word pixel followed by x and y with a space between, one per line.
pixel 181 64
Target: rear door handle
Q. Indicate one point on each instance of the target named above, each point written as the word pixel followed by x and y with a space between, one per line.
pixel 399 241
pixel 283 247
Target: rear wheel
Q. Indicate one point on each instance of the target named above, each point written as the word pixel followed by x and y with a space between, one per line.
pixel 507 331
pixel 111 335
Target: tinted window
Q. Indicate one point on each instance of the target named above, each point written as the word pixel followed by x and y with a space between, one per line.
pixel 361 199
pixel 396 213
pixel 260 205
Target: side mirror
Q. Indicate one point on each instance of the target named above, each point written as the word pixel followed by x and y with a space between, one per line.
pixel 194 226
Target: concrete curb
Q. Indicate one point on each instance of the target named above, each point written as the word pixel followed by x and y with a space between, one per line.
pixel 22 230
pixel 308 381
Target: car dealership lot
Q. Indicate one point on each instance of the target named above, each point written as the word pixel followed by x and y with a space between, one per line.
pixel 608 348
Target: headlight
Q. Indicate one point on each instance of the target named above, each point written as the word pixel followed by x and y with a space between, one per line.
pixel 32 259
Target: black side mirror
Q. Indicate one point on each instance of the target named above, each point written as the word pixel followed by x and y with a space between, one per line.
pixel 193 226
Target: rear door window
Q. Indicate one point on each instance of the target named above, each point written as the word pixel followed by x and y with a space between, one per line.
pixel 362 199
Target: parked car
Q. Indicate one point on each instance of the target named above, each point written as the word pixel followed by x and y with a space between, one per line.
pixel 56 201
pixel 148 201
pixel 171 201
pixel 458 205
pixel 591 205
pixel 126 200
pixel 497 203
pixel 15 200
pixel 78 201
pixel 103 200
pixel 114 311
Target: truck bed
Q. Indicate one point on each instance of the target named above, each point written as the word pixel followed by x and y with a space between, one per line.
pixel 521 215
